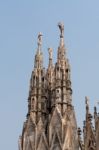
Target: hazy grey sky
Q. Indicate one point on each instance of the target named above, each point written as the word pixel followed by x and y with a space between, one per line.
pixel 20 22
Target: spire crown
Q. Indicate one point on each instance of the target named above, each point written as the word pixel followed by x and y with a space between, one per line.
pixel 50 50
pixel 39 55
pixel 87 102
pixel 39 41
pixel 61 28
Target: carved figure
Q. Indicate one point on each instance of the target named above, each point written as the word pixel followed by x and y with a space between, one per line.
pixel 50 50
pixel 39 39
pixel 61 27
pixel 51 122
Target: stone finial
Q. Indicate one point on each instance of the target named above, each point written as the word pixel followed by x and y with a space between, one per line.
pixel 87 101
pixel 87 105
pixel 50 50
pixel 61 27
pixel 39 40
pixel 39 56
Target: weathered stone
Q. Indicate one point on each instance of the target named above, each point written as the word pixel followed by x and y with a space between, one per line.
pixel 51 122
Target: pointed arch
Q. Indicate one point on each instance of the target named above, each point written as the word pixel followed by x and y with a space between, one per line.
pixel 68 138
pixel 56 117
pixel 55 124
pixel 56 143
pixel 43 144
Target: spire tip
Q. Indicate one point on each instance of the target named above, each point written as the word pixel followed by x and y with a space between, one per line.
pixel 61 27
pixel 39 40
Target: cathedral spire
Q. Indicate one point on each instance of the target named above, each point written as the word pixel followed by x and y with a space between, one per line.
pixel 51 122
pixel 38 56
pixel 89 131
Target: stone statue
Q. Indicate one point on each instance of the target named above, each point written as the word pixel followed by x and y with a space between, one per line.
pixel 50 50
pixel 87 101
pixel 39 39
pixel 61 27
pixel 51 122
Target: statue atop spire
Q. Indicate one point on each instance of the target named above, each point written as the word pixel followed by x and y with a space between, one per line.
pixel 61 27
pixel 61 48
pixel 87 105
pixel 39 56
pixel 87 101
pixel 39 41
pixel 50 50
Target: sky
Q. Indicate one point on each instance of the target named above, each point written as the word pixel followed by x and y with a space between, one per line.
pixel 20 22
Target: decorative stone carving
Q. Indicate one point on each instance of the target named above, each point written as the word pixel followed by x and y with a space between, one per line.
pixel 51 122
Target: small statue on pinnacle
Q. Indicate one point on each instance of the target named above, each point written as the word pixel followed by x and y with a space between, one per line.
pixel 61 27
pixel 39 39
